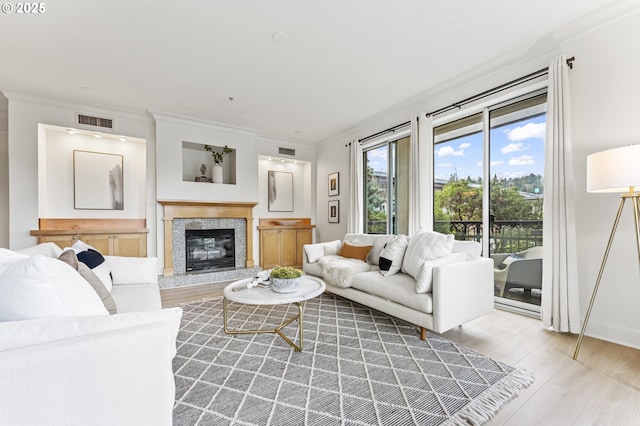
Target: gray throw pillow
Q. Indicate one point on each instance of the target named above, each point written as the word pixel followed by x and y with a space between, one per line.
pixel 99 287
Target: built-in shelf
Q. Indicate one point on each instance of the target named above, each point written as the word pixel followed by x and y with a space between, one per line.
pixel 194 155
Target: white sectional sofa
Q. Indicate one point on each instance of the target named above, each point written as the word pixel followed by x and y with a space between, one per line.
pixel 459 286
pixel 83 366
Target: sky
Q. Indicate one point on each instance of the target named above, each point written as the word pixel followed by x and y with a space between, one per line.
pixel 517 149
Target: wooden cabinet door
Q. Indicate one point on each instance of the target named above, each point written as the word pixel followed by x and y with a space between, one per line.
pixel 101 242
pixel 269 248
pixel 132 245
pixel 288 247
pixel 304 236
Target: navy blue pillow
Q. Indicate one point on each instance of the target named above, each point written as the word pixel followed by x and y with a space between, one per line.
pixel 91 258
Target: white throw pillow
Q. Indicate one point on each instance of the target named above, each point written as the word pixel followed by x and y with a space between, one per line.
pixel 46 249
pixel 7 257
pixel 424 283
pixel 472 248
pixel 425 245
pixel 392 255
pixel 332 247
pixel 95 261
pixel 132 270
pixel 314 252
pixel 41 287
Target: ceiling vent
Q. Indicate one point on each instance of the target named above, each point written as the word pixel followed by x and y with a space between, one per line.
pixel 88 120
pixel 287 151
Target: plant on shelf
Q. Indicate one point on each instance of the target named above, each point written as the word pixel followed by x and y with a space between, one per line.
pixel 218 157
pixel 285 272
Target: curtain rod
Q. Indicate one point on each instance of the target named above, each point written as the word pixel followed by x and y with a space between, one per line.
pixel 484 94
pixel 498 89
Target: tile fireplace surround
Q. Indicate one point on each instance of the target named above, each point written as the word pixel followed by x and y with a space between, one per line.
pixel 177 213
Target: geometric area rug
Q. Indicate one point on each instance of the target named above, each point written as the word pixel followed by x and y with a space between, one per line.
pixel 358 367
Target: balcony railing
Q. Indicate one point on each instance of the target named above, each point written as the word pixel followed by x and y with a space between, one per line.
pixel 506 236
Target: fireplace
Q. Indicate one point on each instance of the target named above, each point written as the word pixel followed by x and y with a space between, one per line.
pixel 209 249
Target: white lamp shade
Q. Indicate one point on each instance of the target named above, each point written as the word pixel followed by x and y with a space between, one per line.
pixel 614 170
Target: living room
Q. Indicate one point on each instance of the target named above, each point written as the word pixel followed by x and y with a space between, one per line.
pixel 603 85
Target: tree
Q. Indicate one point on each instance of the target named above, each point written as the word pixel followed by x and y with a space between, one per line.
pixel 376 200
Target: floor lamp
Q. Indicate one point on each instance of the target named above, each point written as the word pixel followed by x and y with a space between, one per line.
pixel 613 170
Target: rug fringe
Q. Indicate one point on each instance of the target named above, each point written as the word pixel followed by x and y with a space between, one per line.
pixel 486 405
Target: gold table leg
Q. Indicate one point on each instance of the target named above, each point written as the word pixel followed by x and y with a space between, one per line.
pixel 278 330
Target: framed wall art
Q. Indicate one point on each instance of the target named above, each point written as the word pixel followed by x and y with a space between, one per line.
pixel 334 211
pixel 334 184
pixel 280 191
pixel 97 181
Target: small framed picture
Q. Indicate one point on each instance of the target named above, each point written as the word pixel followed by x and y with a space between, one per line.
pixel 334 184
pixel 334 211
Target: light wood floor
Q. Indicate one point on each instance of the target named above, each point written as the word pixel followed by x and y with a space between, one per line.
pixel 601 388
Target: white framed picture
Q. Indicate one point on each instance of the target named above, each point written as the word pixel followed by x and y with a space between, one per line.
pixel 334 211
pixel 280 191
pixel 98 181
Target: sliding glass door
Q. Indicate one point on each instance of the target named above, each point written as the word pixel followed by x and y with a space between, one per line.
pixel 497 201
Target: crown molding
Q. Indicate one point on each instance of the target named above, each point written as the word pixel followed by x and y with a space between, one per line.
pixel 191 121
pixel 77 106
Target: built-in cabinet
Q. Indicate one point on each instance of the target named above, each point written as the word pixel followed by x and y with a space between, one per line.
pixel 111 237
pixel 281 241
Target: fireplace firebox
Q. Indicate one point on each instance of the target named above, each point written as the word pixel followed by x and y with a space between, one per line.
pixel 210 249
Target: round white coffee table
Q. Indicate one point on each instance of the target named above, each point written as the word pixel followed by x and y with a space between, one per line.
pixel 238 292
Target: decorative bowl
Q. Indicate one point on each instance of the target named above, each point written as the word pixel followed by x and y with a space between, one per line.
pixel 285 285
pixel 287 222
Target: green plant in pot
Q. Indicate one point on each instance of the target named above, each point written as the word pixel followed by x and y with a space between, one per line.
pixel 218 158
pixel 285 279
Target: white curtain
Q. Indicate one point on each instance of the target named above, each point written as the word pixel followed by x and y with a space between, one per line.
pixel 560 305
pixel 420 176
pixel 355 217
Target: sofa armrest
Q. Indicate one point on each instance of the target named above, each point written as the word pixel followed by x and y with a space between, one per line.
pixel 461 292
pixel 97 375
pixel 133 270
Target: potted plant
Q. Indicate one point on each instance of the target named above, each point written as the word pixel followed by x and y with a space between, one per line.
pixel 285 279
pixel 218 158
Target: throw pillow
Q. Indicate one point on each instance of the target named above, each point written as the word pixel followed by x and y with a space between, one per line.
pixel 46 249
pixel 472 248
pixel 392 255
pixel 69 257
pixel 314 252
pixel 355 252
pixel 424 282
pixel 332 247
pixel 509 260
pixel 40 287
pixel 94 260
pixel 425 245
pixel 98 286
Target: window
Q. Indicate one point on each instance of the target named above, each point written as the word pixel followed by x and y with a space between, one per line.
pixel 497 201
pixel 386 187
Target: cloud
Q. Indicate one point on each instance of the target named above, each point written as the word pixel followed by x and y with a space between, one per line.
pixel 512 147
pixel 464 145
pixel 444 164
pixel 445 151
pixel 528 131
pixel 377 153
pixel 523 160
pixel 492 163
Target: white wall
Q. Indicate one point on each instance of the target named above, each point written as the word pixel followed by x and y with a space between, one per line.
pixel 4 173
pixel 604 93
pixel 56 188
pixel 26 112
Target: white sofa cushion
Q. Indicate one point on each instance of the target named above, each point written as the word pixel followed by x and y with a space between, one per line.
pixel 392 255
pixel 96 261
pixel 7 257
pixel 425 278
pixel 401 288
pixel 40 287
pixel 133 270
pixel 425 245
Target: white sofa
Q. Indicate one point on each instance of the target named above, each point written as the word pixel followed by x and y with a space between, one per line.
pixel 93 369
pixel 460 291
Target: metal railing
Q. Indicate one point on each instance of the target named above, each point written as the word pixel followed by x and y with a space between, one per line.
pixel 506 236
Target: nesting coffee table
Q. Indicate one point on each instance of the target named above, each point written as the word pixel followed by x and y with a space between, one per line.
pixel 238 292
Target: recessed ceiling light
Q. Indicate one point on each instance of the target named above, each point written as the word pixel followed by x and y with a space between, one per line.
pixel 71 131
pixel 243 116
pixel 185 104
pixel 298 132
pixel 97 135
pixel 270 158
pixel 282 161
pixel 85 89
pixel 122 138
pixel 279 37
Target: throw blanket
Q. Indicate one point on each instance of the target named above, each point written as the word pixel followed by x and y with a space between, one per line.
pixel 339 271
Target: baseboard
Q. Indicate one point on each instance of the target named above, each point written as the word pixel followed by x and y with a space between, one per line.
pixel 613 333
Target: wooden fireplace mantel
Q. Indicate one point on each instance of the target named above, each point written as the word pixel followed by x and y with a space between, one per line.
pixel 182 209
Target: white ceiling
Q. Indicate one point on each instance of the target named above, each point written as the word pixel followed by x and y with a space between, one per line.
pixel 342 61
